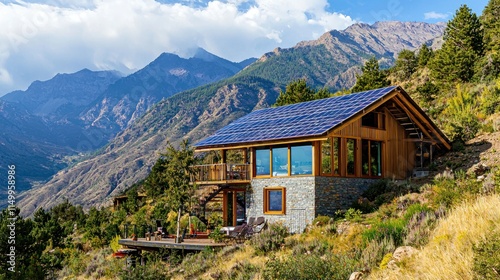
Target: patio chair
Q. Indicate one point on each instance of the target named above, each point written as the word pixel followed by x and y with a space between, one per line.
pixel 256 227
pixel 239 233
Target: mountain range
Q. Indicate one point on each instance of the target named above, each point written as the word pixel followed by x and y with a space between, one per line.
pixel 51 124
pixel 145 126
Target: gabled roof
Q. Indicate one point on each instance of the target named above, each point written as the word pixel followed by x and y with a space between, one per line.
pixel 306 119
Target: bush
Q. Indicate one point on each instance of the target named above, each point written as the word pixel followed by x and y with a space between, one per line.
pixel 310 267
pixel 375 251
pixel 487 258
pixel 321 220
pixel 269 239
pixel 419 227
pixel 390 229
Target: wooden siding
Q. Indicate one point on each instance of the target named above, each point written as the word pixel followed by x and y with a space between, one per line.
pixel 398 155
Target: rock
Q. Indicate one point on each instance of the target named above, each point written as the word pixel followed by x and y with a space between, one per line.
pixel 392 265
pixel 478 169
pixel 480 178
pixel 356 276
pixel 403 252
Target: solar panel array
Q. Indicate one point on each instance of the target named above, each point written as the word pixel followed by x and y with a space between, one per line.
pixel 311 118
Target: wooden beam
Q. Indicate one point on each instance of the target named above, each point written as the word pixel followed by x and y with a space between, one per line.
pixel 411 104
pixel 414 119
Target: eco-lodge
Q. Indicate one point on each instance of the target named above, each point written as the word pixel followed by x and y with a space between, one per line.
pixel 314 158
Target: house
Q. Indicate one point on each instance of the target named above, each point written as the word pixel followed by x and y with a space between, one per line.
pixel 299 161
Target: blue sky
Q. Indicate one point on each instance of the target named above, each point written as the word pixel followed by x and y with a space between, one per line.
pixel 40 38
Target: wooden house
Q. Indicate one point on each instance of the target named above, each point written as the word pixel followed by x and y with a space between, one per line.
pixel 314 158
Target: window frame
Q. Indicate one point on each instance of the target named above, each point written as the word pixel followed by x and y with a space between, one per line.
pixel 355 156
pixel 380 119
pixel 381 159
pixel 289 155
pixel 335 156
pixel 266 201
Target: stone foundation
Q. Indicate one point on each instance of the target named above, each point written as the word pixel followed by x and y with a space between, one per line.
pixel 306 198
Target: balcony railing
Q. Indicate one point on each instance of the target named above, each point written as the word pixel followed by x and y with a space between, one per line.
pixel 221 173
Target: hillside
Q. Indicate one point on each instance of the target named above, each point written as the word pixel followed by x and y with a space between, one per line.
pixel 54 121
pixel 196 113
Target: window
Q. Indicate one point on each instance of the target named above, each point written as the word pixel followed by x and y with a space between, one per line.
pixel 330 156
pixel 374 120
pixel 263 165
pixel 371 158
pixel 326 156
pixel 301 160
pixel 280 161
pixel 351 157
pixel 336 156
pixel 274 201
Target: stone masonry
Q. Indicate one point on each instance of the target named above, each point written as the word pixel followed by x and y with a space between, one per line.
pixel 306 198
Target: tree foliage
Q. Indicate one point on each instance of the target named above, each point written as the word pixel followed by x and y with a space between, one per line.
pixel 424 55
pixel 489 65
pixel 463 44
pixel 406 64
pixel 298 91
pixel 373 77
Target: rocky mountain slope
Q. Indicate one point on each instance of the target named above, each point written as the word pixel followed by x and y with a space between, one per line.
pixel 81 112
pixel 194 114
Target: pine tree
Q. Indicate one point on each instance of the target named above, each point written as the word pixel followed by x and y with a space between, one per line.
pixel 406 64
pixel 371 78
pixel 489 65
pixel 463 45
pixel 424 54
pixel 298 91
pixel 295 92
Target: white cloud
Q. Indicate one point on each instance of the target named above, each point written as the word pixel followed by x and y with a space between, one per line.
pixel 435 15
pixel 38 40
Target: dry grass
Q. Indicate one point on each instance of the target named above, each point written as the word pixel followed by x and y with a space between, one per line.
pixel 449 254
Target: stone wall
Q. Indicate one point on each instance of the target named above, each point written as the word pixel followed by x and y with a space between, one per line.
pixel 300 201
pixel 337 193
pixel 306 197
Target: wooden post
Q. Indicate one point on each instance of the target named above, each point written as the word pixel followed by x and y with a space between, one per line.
pixel 178 237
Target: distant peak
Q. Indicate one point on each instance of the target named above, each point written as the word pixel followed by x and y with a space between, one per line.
pixel 205 55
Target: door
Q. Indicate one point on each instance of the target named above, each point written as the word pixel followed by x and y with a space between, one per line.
pixel 234 207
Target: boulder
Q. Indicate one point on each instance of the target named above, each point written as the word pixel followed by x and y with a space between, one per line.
pixel 403 252
pixel 356 276
pixel 478 169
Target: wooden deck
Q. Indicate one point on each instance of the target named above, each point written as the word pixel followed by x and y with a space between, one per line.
pixel 169 243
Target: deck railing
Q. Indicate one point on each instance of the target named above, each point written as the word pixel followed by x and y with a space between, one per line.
pixel 221 172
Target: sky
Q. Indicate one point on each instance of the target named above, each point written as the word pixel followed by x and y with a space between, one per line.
pixel 40 38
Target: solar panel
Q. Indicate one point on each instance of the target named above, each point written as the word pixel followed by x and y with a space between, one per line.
pixel 304 119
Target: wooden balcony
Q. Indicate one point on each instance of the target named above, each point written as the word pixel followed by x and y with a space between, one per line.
pixel 222 173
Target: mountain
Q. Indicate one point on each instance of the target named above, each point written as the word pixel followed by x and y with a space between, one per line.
pixel 329 61
pixel 130 97
pixel 45 127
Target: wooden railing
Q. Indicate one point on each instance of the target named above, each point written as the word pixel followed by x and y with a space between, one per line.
pixel 222 172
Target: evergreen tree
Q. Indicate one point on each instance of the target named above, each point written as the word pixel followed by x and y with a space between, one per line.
pixel 298 91
pixel 463 45
pixel 424 54
pixel 489 65
pixel 373 77
pixel 406 64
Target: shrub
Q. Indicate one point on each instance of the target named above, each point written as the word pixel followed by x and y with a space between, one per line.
pixel 487 258
pixel 310 267
pixel 321 220
pixel 269 239
pixel 393 228
pixel 419 227
pixel 375 251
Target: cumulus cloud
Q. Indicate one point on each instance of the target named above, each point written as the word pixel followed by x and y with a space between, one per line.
pixel 41 38
pixel 435 15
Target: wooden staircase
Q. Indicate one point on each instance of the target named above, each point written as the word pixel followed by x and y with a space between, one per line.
pixel 413 131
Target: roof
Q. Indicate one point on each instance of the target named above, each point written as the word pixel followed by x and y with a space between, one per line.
pixel 306 119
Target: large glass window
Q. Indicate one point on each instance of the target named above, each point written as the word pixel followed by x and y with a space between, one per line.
pixel 262 163
pixel 351 157
pixel 336 156
pixel 371 158
pixel 301 160
pixel 280 161
pixel 274 200
pixel 326 156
